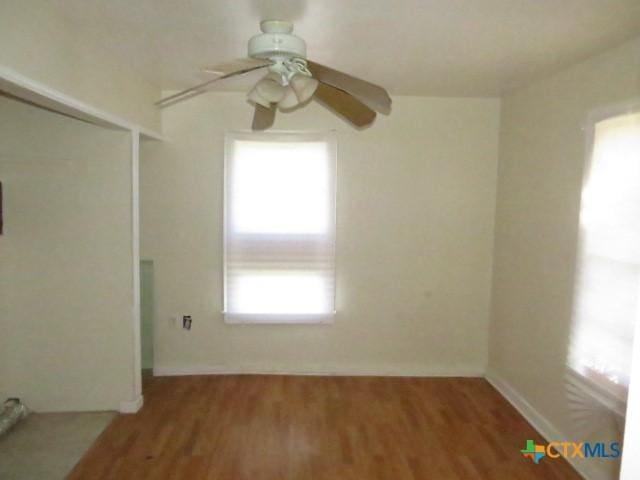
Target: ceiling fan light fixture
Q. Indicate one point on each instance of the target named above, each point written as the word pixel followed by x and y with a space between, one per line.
pixel 270 88
pixel 303 86
pixel 292 80
pixel 256 98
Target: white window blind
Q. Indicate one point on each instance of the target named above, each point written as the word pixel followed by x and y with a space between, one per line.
pixel 607 302
pixel 279 228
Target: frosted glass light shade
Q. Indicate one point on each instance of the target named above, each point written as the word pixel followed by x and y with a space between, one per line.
pixel 255 97
pixel 304 86
pixel 290 99
pixel 270 89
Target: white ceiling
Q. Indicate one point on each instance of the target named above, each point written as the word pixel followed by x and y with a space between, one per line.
pixel 413 47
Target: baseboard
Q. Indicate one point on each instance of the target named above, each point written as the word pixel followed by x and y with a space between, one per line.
pixel 131 406
pixel 404 371
pixel 539 422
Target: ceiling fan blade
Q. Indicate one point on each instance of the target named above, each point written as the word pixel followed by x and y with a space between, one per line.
pixel 345 105
pixel 238 65
pixel 263 117
pixel 226 70
pixel 373 96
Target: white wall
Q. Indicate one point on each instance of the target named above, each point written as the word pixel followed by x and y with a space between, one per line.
pixel 416 196
pixel 543 151
pixel 37 41
pixel 65 262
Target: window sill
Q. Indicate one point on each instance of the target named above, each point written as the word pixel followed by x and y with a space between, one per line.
pixel 599 393
pixel 279 318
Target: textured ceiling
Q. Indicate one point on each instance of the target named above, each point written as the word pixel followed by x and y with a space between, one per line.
pixel 413 47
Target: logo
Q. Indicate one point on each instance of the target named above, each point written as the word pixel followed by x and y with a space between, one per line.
pixel 534 452
pixel 570 450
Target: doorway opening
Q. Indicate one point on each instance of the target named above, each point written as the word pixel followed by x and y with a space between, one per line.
pixel 146 317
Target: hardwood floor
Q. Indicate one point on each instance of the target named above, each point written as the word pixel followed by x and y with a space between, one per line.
pixel 319 428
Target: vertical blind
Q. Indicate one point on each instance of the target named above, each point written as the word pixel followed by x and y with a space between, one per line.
pixel 279 230
pixel 607 303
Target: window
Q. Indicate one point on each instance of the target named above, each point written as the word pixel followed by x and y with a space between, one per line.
pixel 607 303
pixel 279 228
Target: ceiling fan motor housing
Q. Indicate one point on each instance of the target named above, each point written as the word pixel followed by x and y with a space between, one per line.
pixel 277 41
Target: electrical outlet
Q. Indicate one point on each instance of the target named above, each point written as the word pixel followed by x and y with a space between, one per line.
pixel 181 322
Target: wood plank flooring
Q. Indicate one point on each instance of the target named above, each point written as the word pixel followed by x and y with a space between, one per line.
pixel 318 428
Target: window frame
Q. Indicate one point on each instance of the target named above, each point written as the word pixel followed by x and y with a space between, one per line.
pixel 328 137
pixel 608 396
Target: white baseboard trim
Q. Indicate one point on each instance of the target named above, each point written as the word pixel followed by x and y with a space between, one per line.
pixel 131 406
pixel 162 371
pixel 540 423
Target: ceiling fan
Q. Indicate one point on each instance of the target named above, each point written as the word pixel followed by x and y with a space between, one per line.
pixel 292 80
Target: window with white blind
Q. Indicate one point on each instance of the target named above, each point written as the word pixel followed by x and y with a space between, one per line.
pixel 607 302
pixel 279 232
